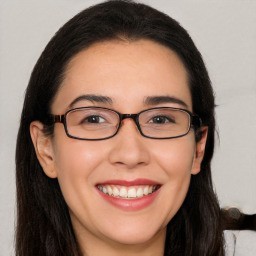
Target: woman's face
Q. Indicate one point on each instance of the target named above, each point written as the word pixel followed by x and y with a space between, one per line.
pixel 128 73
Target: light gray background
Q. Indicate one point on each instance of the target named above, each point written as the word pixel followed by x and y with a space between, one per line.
pixel 223 30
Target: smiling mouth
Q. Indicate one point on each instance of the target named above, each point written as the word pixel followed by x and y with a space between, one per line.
pixel 128 192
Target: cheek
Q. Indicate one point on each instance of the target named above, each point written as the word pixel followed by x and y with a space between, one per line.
pixel 175 159
pixel 76 158
pixel 75 162
pixel 175 156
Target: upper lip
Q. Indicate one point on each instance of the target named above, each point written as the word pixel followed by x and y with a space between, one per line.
pixel 135 182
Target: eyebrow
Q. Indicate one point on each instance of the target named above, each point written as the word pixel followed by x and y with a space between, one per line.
pixel 92 98
pixel 155 100
pixel 150 100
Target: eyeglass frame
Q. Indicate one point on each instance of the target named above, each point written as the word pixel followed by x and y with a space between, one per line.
pixel 195 121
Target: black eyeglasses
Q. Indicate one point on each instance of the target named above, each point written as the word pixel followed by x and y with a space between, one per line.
pixel 97 123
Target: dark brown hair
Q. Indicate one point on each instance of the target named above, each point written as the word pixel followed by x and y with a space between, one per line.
pixel 43 222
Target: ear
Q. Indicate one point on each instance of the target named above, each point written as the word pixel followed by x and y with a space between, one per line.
pixel 199 151
pixel 43 147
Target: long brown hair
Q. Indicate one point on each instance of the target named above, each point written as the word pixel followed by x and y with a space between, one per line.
pixel 43 222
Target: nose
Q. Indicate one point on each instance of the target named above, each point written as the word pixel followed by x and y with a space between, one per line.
pixel 129 146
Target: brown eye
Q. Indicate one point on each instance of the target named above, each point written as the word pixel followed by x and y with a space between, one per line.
pixel 94 119
pixel 161 120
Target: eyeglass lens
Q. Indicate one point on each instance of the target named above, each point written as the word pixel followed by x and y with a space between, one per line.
pixel 97 123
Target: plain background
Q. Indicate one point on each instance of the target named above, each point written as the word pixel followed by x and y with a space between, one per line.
pixel 225 33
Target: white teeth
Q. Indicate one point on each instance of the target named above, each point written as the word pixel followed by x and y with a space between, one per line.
pixel 104 190
pixel 145 191
pixel 132 193
pixel 115 192
pixel 109 189
pixel 125 192
pixel 140 192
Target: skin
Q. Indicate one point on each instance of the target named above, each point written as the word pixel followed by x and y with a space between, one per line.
pixel 127 72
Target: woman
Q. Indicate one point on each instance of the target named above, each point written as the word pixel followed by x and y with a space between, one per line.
pixel 116 139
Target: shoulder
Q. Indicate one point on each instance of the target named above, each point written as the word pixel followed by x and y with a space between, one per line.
pixel 240 242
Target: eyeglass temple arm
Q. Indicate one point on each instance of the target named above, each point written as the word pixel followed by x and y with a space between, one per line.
pixel 58 118
pixel 51 119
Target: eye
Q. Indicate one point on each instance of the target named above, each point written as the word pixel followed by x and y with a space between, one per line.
pixel 161 120
pixel 95 119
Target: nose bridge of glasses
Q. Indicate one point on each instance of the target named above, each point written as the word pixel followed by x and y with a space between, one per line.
pixel 125 116
pixel 132 116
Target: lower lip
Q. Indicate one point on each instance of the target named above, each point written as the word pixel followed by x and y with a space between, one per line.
pixel 130 204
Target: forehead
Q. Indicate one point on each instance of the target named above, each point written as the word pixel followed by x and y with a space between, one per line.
pixel 125 71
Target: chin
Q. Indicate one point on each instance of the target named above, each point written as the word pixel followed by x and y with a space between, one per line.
pixel 135 238
pixel 135 234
